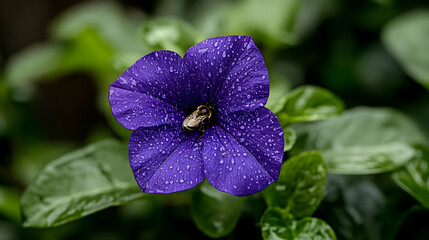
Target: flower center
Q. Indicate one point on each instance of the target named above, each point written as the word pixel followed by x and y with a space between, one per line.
pixel 198 119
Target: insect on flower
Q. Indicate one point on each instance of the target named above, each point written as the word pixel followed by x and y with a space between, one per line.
pixel 200 116
pixel 199 119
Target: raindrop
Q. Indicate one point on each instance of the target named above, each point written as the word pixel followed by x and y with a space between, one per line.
pixel 203 50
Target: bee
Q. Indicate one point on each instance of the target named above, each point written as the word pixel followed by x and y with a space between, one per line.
pixel 198 120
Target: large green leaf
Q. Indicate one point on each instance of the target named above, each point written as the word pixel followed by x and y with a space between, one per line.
pixel 361 141
pixel 309 103
pixel 78 184
pixel 215 213
pixel 278 224
pixel 300 186
pixel 407 38
pixel 414 177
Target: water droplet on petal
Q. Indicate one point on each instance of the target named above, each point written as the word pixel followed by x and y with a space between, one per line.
pixel 203 50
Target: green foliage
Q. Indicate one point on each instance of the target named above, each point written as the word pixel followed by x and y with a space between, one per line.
pixel 9 203
pixel 33 63
pixel 309 103
pixel 34 156
pixel 279 224
pixel 249 17
pixel 290 138
pixel 116 26
pixel 414 176
pixel 215 213
pixel 78 184
pixel 103 38
pixel 279 88
pixel 361 141
pixel 299 189
pixel 169 34
pixel 407 38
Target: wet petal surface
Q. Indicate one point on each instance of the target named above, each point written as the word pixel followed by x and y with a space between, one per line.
pixel 232 70
pixel 166 159
pixel 244 157
pixel 152 92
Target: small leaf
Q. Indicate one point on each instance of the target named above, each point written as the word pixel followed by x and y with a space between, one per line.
pixel 309 103
pixel 278 224
pixel 414 176
pixel 169 34
pixel 78 184
pixel 300 186
pixel 361 141
pixel 290 138
pixel 407 38
pixel 215 213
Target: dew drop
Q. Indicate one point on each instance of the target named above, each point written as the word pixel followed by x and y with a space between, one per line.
pixel 203 50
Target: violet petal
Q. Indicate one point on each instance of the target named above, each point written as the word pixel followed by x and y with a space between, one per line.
pixel 152 92
pixel 244 156
pixel 233 71
pixel 165 159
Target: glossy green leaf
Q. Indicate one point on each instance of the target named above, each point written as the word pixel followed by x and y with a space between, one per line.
pixel 215 213
pixel 169 34
pixel 78 184
pixel 407 37
pixel 278 224
pixel 309 103
pixel 414 177
pixel 9 203
pixel 290 138
pixel 300 186
pixel 361 141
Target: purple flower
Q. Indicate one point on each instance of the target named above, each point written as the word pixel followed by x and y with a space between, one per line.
pixel 200 116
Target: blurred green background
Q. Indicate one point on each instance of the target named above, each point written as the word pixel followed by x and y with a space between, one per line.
pixel 57 58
